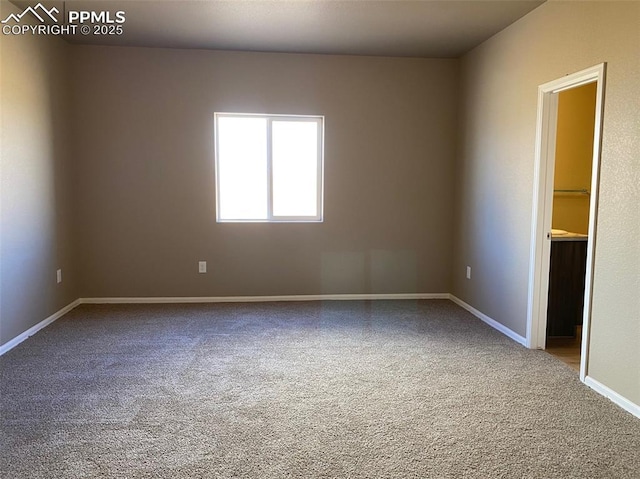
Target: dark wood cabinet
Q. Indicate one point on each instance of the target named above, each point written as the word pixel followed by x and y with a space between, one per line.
pixel 566 287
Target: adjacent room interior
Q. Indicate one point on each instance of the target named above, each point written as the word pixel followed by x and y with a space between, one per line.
pixel 294 239
pixel 570 222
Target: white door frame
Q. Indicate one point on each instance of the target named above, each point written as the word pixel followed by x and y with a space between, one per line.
pixel 543 206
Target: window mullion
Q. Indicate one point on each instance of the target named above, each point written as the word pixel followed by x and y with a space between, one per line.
pixel 269 171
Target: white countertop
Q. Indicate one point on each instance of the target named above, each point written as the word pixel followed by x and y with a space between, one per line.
pixel 562 235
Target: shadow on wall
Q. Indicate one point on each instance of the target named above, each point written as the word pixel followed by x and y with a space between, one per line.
pixel 374 271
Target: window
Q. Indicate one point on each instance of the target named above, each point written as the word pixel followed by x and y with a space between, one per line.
pixel 268 167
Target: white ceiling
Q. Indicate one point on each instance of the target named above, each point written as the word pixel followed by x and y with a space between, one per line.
pixel 426 28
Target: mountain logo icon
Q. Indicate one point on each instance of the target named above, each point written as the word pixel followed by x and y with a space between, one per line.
pixel 39 11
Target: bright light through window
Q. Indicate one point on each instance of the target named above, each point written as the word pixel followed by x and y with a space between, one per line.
pixel 242 167
pixel 268 167
pixel 295 168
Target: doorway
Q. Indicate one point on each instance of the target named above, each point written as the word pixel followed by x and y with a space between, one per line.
pixel 546 230
pixel 570 222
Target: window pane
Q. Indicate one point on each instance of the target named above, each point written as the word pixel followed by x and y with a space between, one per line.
pixel 242 168
pixel 295 168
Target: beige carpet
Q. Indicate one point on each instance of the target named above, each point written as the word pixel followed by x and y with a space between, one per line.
pixel 394 389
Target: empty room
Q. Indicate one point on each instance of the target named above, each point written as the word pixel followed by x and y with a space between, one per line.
pixel 320 239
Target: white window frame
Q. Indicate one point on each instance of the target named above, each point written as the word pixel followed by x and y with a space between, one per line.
pixel 319 120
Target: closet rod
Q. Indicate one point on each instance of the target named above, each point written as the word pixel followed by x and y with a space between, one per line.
pixel 580 192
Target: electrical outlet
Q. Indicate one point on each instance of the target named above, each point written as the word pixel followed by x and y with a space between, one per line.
pixel 468 272
pixel 59 276
pixel 202 266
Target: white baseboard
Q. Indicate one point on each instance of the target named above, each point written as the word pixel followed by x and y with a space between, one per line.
pixel 262 299
pixel 34 329
pixel 491 322
pixel 613 396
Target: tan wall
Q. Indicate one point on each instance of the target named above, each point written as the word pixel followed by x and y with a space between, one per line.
pixel 574 158
pixel 496 163
pixel 35 220
pixel 145 162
